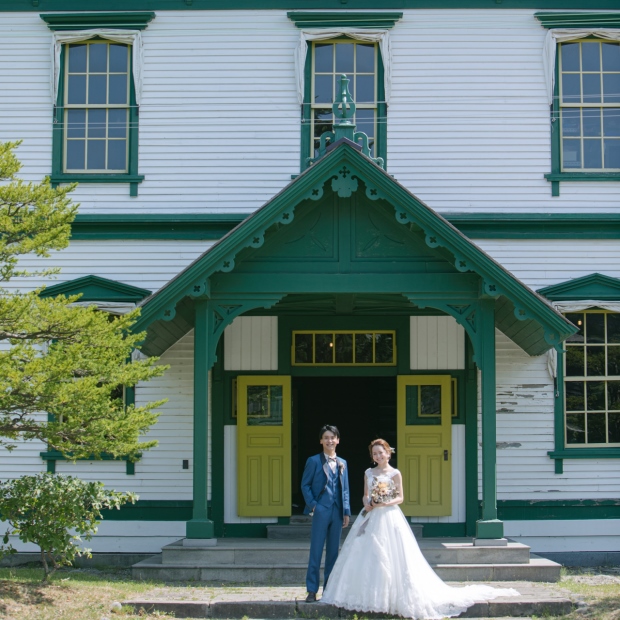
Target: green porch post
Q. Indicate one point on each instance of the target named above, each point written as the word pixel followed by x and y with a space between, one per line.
pixel 489 526
pixel 200 526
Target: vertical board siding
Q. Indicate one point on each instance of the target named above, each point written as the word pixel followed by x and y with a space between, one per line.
pixel 437 343
pixel 458 481
pixel 230 481
pixel 525 404
pixel 251 343
pixel 159 473
pixel 467 126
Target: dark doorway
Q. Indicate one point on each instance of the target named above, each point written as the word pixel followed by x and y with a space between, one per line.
pixel 363 408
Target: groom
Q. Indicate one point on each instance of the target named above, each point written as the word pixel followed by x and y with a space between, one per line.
pixel 325 487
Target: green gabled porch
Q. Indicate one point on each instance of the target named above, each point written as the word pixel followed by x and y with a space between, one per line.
pixel 344 239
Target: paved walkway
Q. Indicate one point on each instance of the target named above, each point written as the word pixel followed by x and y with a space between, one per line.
pixel 280 602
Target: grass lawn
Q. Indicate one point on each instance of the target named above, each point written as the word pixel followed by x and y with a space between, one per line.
pixel 598 587
pixel 74 594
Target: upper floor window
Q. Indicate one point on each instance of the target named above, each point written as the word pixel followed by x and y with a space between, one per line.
pixel 359 62
pixel 96 107
pixel 590 105
pixel 592 380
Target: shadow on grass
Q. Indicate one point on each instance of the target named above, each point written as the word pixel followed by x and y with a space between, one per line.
pixel 24 592
pixel 605 608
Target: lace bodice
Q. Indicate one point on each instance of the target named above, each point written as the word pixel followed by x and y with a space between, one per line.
pixel 381 486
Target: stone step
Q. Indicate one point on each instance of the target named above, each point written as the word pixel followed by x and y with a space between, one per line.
pixel 538 569
pixel 301 529
pixel 277 552
pixel 532 603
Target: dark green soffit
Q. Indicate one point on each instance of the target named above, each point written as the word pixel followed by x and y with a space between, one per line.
pixel 594 286
pixel 563 19
pixel 94 288
pixel 340 19
pixel 83 21
pixel 213 226
pixel 521 314
pixel 288 5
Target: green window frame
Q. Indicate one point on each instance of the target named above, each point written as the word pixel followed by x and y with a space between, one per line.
pixel 588 372
pixel 336 19
pixel 104 121
pixel 585 113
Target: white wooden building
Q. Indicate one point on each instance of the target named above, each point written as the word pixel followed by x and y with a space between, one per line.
pixel 499 127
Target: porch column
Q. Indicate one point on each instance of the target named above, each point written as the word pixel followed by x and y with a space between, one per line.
pixel 489 526
pixel 200 526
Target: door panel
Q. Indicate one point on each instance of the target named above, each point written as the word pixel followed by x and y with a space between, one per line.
pixel 264 446
pixel 425 444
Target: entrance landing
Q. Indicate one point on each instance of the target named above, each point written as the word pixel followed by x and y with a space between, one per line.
pixel 266 561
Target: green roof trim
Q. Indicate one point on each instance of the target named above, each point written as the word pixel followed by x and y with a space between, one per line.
pixel 341 19
pixel 129 20
pixel 287 5
pixel 581 19
pixel 213 226
pixel 595 286
pixel 95 288
pixel 521 313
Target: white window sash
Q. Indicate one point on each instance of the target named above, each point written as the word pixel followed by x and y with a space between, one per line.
pixel 561 35
pixel 127 37
pixel 381 37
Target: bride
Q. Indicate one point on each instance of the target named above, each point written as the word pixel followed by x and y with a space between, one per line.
pixel 381 568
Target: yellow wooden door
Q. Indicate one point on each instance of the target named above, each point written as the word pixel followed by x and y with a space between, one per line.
pixel 424 412
pixel 264 446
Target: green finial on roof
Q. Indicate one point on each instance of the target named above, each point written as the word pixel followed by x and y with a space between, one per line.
pixel 344 125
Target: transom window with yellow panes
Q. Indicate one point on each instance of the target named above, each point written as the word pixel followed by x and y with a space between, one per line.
pixel 344 348
pixel 592 380
pixel 359 62
pixel 590 105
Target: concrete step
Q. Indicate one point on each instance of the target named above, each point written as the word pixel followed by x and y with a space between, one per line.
pixel 284 552
pixel 538 569
pixel 300 529
pixel 533 603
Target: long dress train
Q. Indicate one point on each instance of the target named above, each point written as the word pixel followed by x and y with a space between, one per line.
pixel 381 569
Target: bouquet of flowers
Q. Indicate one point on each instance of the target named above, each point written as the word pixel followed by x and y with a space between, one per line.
pixel 382 491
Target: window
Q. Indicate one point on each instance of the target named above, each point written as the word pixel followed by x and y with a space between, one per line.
pixel 359 61
pixel 344 348
pixel 96 107
pixel 589 83
pixel 592 380
pixel 95 131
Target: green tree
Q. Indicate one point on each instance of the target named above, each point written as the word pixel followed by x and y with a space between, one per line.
pixel 56 513
pixel 57 358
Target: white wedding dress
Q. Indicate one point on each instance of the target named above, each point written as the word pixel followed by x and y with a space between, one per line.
pixel 381 569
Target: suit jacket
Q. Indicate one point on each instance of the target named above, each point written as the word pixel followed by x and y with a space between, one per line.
pixel 314 483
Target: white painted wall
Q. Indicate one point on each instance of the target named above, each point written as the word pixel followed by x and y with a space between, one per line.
pixel 251 343
pixel 159 473
pixel 525 435
pixel 230 481
pixel 467 129
pixel 566 535
pixel 437 343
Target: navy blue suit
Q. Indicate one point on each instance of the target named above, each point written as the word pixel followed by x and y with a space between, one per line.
pixel 327 498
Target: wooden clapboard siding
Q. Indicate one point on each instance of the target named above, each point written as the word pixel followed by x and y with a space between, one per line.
pixel 437 343
pixel 468 122
pixel 251 343
pixel 25 459
pixel 525 435
pixel 458 481
pixel 542 262
pixel 146 263
pixel 159 473
pixel 566 535
pixel 230 481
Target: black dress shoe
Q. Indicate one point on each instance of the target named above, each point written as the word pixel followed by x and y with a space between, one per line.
pixel 311 598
